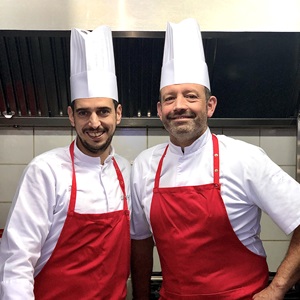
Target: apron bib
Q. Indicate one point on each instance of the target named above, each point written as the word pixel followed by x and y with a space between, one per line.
pixel 201 257
pixel 91 259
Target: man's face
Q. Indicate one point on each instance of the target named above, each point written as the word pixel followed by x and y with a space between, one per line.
pixel 184 110
pixel 95 121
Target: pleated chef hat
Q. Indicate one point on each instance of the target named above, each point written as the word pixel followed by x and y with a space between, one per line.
pixel 183 59
pixel 92 64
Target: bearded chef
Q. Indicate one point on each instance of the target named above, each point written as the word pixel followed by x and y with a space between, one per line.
pixel 199 197
pixel 67 233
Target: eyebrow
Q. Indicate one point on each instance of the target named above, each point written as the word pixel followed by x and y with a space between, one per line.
pixel 97 108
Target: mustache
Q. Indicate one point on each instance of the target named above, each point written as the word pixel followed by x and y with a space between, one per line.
pixel 90 129
pixel 180 114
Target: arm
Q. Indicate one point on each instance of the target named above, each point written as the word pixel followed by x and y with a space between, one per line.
pixel 141 267
pixel 26 228
pixel 287 274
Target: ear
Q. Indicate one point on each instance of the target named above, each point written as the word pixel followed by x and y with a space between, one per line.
pixel 159 108
pixel 211 106
pixel 119 114
pixel 71 116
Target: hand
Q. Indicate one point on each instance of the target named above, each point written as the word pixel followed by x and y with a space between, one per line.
pixel 269 293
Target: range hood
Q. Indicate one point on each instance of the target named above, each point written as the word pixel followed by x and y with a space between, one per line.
pixel 254 75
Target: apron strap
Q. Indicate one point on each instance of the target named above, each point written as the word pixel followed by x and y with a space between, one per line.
pixel 121 182
pixel 158 172
pixel 216 159
pixel 216 162
pixel 74 186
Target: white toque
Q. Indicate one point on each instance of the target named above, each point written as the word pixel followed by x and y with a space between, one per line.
pixel 92 64
pixel 183 59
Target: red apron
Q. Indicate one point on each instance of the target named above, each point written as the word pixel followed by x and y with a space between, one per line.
pixel 200 255
pixel 92 257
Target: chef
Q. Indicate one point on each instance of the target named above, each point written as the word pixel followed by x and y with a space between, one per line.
pixel 199 197
pixel 67 233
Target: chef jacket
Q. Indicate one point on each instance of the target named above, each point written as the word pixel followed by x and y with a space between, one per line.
pixel 250 182
pixel 40 206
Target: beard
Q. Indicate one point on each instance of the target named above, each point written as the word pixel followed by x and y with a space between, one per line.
pixel 187 131
pixel 96 149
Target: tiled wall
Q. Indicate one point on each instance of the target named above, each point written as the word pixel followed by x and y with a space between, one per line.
pixel 19 146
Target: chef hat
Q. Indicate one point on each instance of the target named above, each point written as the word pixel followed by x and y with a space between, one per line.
pixel 184 60
pixel 92 64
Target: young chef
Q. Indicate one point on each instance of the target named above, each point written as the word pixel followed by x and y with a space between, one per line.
pixel 199 197
pixel 67 234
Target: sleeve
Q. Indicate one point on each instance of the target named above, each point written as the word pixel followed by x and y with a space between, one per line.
pixel 140 228
pixel 26 229
pixel 274 191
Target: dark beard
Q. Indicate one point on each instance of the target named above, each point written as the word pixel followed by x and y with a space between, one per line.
pixel 95 150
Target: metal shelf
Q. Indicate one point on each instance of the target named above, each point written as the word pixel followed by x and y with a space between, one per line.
pixel 151 122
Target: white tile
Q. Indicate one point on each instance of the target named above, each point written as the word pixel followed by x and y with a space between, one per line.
pixel 247 135
pixel 47 139
pixel 9 179
pixel 157 136
pixel 216 130
pixel 275 253
pixel 16 145
pixel 270 231
pixel 129 142
pixel 280 145
pixel 4 209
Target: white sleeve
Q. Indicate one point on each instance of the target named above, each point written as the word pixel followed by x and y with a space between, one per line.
pixel 25 232
pixel 274 191
pixel 16 290
pixel 140 228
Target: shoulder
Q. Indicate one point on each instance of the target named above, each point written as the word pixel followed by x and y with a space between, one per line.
pixel 248 158
pixel 47 168
pixel 122 161
pixel 147 161
pixel 238 147
pixel 152 152
pixel 51 159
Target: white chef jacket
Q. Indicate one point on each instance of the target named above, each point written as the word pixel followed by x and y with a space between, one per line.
pixel 40 207
pixel 250 182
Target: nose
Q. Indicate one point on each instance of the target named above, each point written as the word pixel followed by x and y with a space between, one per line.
pixel 94 120
pixel 180 103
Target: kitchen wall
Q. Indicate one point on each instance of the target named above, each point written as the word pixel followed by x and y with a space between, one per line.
pixel 20 145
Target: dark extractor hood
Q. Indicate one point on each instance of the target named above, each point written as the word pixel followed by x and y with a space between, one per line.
pixel 254 75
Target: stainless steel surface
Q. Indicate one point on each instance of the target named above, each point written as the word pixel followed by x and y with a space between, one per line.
pixel 154 122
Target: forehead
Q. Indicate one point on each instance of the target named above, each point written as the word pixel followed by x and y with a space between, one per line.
pixel 180 88
pixel 93 102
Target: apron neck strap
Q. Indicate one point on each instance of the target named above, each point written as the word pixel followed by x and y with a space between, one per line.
pixel 121 182
pixel 74 185
pixel 216 162
pixel 216 159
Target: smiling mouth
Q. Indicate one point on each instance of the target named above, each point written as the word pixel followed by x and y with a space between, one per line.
pixel 95 134
pixel 180 117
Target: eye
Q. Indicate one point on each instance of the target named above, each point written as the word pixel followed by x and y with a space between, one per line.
pixel 103 112
pixel 191 96
pixel 83 113
pixel 169 98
